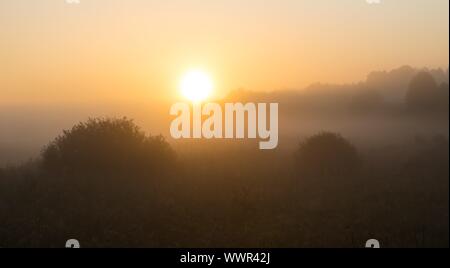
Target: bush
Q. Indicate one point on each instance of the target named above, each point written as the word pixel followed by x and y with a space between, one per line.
pixel 107 146
pixel 327 154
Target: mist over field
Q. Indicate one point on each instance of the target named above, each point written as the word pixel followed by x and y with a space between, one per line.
pixel 372 112
pixel 87 151
pixel 353 162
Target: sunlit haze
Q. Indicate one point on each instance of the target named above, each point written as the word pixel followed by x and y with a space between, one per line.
pixel 224 126
pixel 196 85
pixel 136 49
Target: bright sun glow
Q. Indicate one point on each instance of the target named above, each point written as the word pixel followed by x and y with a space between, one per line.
pixel 196 85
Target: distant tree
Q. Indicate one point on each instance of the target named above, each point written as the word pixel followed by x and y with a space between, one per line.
pixel 392 84
pixel 326 154
pixel 107 146
pixel 424 94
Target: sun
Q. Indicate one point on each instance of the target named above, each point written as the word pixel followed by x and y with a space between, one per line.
pixel 196 85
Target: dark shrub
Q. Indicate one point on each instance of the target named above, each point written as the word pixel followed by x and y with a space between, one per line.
pixel 327 154
pixel 107 146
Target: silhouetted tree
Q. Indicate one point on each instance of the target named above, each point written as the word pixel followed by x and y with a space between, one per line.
pixel 105 179
pixel 107 146
pixel 424 94
pixel 392 84
pixel 327 154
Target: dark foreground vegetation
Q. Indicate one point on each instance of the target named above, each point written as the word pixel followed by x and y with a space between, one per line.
pixel 108 184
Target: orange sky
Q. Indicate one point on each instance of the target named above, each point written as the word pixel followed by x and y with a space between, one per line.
pixel 139 49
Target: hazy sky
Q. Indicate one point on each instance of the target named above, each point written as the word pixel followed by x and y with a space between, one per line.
pixel 104 49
